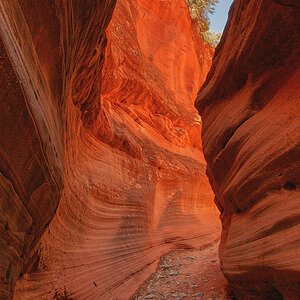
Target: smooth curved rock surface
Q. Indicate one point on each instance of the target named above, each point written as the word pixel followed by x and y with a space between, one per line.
pixel 99 121
pixel 30 140
pixel 251 131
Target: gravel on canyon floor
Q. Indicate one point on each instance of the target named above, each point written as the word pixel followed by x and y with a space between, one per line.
pixel 186 274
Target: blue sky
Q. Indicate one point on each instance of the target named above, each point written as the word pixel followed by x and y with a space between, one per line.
pixel 219 18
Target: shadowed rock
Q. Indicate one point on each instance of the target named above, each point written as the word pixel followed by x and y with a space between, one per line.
pixel 250 110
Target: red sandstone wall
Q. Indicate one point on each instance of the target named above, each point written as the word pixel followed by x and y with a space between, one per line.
pixel 250 110
pixel 30 138
pixel 104 128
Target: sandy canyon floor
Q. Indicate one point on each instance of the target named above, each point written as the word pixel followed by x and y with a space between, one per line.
pixel 186 274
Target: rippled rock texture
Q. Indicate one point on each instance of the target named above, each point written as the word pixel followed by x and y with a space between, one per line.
pixel 101 163
pixel 251 132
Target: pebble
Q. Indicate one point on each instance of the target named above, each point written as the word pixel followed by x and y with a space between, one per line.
pixel 151 296
pixel 172 273
pixel 198 295
pixel 190 258
pixel 167 267
pixel 182 295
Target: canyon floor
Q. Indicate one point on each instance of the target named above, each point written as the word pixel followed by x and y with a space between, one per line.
pixel 186 274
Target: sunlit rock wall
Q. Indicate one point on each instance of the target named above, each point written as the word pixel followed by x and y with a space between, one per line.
pixel 99 138
pixel 251 132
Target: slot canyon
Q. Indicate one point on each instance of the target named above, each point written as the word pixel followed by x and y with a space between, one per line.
pixel 125 137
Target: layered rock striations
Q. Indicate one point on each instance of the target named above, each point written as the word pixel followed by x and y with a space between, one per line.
pixel 251 130
pixel 30 134
pixel 101 164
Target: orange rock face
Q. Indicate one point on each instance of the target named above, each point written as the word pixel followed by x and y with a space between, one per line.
pixel 250 109
pixel 101 164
